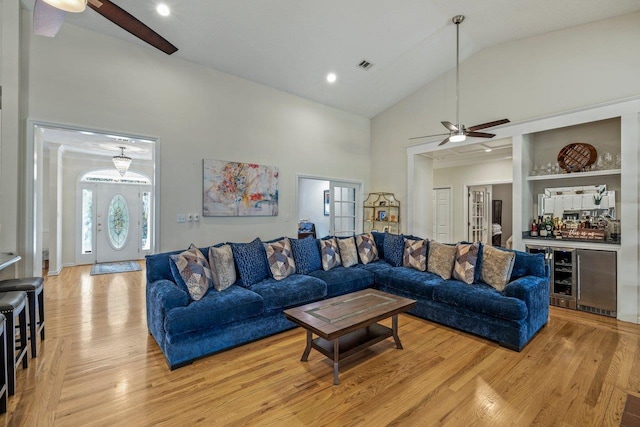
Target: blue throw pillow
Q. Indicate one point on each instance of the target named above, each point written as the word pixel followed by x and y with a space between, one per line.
pixel 306 255
pixel 379 239
pixel 251 261
pixel 393 249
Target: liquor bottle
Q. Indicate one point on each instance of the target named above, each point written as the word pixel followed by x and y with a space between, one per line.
pixel 534 229
pixel 543 228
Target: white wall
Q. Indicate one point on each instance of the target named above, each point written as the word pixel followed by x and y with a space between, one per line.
pixel 459 177
pixel 90 80
pixel 311 203
pixel 520 80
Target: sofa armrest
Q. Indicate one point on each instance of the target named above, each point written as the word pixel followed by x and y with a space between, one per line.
pixel 162 296
pixel 534 291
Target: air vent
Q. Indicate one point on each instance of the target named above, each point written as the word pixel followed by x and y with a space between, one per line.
pixel 365 65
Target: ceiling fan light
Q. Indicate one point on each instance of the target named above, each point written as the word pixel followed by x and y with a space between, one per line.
pixel 74 6
pixel 457 137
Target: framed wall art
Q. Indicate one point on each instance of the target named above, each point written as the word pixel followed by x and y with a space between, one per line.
pixel 239 189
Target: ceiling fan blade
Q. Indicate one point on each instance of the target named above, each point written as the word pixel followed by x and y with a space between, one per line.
pixel 450 126
pixel 125 20
pixel 488 125
pixel 47 19
pixel 428 136
pixel 481 134
pixel 444 142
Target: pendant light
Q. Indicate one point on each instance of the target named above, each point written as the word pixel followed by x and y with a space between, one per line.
pixel 122 162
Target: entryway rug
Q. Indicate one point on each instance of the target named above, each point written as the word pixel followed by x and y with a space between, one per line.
pixel 114 267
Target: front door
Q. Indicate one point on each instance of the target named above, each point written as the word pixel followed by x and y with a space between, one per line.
pixel 118 223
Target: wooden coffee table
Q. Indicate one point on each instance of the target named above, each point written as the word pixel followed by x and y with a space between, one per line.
pixel 347 324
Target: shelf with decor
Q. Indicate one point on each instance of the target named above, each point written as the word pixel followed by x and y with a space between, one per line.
pixel 607 172
pixel 381 212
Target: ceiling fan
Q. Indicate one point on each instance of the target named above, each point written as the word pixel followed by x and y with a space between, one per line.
pixel 459 132
pixel 48 16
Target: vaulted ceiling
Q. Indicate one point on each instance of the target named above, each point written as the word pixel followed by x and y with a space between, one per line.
pixel 291 45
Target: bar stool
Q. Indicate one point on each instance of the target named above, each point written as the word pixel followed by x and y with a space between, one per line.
pixel 13 305
pixel 3 364
pixel 34 288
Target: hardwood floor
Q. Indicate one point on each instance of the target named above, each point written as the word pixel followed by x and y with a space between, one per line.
pixel 99 366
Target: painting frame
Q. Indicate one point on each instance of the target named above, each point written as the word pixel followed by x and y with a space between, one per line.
pixel 326 199
pixel 232 189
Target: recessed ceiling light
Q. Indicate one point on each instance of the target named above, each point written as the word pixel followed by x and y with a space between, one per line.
pixel 331 77
pixel 487 150
pixel 163 9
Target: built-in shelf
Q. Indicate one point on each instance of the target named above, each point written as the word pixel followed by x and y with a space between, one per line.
pixel 574 175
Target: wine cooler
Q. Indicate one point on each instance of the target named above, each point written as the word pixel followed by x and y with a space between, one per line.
pixel 563 277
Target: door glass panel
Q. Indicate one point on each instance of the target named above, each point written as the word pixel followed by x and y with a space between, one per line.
pixel 146 216
pixel 87 221
pixel 118 221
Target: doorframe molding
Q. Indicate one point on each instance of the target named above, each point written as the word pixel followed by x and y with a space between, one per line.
pixel 34 181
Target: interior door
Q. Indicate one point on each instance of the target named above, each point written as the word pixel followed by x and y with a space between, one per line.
pixel 118 223
pixel 344 214
pixel 478 222
pixel 442 214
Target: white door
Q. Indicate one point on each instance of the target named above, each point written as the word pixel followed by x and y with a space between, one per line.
pixel 344 212
pixel 118 223
pixel 442 214
pixel 478 214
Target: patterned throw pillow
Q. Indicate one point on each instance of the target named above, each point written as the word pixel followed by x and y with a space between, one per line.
pixel 466 259
pixel 441 259
pixel 393 249
pixel 367 249
pixel 193 272
pixel 496 267
pixel 306 255
pixel 223 269
pixel 348 252
pixel 330 254
pixel 280 259
pixel 251 262
pixel 415 254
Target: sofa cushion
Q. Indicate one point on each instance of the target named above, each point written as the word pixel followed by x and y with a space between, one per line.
pixel 378 237
pixel 306 255
pixel 348 252
pixel 408 280
pixel 464 267
pixel 292 291
pixel 367 249
pixel 526 264
pixel 441 259
pixel 393 249
pixel 251 262
pixel 480 298
pixel 280 259
pixel 375 266
pixel 496 267
pixel 415 254
pixel 341 280
pixel 330 253
pixel 214 309
pixel 191 272
pixel 223 268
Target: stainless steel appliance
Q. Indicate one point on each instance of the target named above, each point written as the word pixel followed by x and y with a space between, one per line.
pixel 563 277
pixel 597 280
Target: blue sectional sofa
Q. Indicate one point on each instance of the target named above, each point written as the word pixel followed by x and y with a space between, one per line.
pixel 187 330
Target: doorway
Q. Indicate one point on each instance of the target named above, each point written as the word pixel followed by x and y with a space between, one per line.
pixel 478 215
pixel 331 205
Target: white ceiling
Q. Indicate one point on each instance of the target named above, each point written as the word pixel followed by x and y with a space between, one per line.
pixel 291 45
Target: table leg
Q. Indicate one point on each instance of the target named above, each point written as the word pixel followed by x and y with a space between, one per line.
pixel 307 350
pixel 336 358
pixel 394 327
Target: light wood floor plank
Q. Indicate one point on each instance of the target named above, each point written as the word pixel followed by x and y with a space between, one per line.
pixel 99 366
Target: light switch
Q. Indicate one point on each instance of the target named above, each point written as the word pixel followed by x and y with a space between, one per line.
pixel 180 218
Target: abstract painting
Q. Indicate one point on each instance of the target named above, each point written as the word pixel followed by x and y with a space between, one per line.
pixel 239 189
